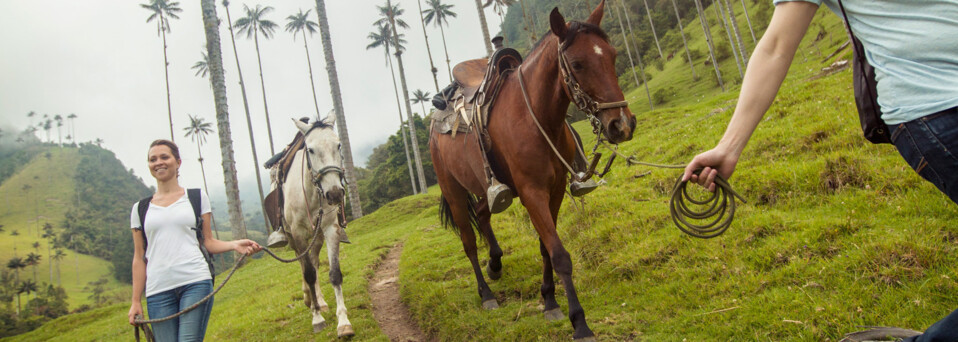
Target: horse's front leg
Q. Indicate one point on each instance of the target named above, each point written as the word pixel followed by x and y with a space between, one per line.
pixel 331 234
pixel 494 268
pixel 543 207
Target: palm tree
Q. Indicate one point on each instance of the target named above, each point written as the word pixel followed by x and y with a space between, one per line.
pixel 59 119
pixel 49 235
pixel 163 10
pixel 33 259
pixel 382 37
pixel 527 23
pixel 28 287
pixel 249 122
pixel 198 129
pixel 439 13
pixel 16 264
pixel 390 13
pixel 499 6
pixel 98 142
pixel 300 23
pixel 749 21
pixel 720 13
pixel 708 39
pixel 254 24
pixel 333 77
pixel 47 126
pixel 628 50
pixel 685 43
pixel 57 256
pixel 485 29
pixel 73 127
pixel 738 33
pixel 202 66
pixel 422 98
pixel 30 115
pixel 217 77
pixel 432 66
pixel 648 13
pixel 14 232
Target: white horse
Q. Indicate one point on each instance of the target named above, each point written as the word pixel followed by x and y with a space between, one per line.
pixel 314 190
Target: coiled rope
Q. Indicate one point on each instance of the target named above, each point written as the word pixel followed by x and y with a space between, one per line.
pixel 720 205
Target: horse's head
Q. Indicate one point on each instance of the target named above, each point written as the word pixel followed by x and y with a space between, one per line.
pixel 324 157
pixel 587 65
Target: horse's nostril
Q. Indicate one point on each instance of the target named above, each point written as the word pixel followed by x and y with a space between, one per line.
pixel 615 125
pixel 632 123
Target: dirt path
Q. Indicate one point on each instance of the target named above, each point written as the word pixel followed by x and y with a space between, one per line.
pixel 392 315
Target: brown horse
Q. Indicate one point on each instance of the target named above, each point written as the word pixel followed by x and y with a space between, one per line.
pixel 521 157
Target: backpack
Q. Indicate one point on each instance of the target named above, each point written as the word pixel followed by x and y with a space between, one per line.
pixel 194 197
pixel 866 93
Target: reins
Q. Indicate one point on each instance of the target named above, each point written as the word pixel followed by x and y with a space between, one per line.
pixel 143 324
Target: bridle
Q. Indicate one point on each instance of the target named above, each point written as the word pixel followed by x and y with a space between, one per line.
pixel 585 102
pixel 316 176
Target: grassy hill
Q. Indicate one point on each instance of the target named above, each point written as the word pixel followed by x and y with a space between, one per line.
pixel 50 177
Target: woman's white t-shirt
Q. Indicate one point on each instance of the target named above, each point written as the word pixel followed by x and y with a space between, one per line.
pixel 172 252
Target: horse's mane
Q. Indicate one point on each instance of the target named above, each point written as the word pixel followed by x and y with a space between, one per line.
pixel 575 28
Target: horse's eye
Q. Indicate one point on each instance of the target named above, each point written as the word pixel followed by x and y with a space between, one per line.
pixel 339 146
pixel 310 151
pixel 577 66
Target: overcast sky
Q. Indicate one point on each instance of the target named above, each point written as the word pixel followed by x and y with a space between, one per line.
pixel 101 60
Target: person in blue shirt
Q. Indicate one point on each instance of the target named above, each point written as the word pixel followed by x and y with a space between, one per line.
pixel 913 47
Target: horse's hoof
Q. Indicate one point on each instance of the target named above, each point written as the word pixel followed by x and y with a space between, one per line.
pixel 554 314
pixel 345 331
pixel 317 327
pixel 324 308
pixel 490 304
pixel 494 275
pixel 585 339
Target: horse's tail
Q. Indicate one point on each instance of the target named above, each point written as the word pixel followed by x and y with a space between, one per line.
pixel 445 214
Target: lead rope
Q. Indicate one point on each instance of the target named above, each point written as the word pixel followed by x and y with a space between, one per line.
pixel 720 204
pixel 143 324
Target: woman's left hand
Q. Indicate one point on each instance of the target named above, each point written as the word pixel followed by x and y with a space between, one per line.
pixel 246 246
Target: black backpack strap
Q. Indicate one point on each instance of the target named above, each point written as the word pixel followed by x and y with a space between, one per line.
pixel 195 196
pixel 141 209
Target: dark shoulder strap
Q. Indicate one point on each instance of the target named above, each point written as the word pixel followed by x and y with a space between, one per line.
pixel 141 209
pixel 196 201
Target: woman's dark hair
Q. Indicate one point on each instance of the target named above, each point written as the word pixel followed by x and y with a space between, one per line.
pixel 175 150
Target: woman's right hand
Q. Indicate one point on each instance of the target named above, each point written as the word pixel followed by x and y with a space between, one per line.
pixel 135 309
pixel 717 161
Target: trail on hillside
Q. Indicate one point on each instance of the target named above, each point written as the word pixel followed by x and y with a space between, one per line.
pixel 390 312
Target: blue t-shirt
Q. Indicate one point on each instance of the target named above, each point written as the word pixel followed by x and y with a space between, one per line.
pixel 913 46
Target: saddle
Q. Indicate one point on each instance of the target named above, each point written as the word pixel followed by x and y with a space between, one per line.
pixel 282 162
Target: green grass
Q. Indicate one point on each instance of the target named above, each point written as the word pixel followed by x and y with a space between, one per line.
pixel 51 195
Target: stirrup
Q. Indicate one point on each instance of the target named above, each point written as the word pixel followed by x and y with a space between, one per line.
pixel 499 197
pixel 579 189
pixel 276 240
pixel 343 238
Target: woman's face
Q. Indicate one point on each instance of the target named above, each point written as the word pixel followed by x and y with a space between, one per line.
pixel 163 165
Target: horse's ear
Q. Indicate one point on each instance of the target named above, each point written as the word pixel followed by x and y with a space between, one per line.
pixel 303 127
pixel 330 118
pixel 596 15
pixel 557 22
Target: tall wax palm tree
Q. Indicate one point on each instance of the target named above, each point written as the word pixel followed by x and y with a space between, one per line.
pixel 708 40
pixel 499 6
pixel 626 38
pixel 422 98
pixel 425 37
pixel 202 66
pixel 47 126
pixel 253 25
pixel 333 77
pixel 300 23
pixel 30 115
pixel 59 119
pixel 485 28
pixel 163 11
pixel 33 259
pixel 391 12
pixel 28 286
pixel 49 235
pixel 249 121
pixel 749 21
pixel 720 13
pixel 738 33
pixel 383 37
pixel 648 13
pixel 439 13
pixel 197 130
pixel 685 43
pixel 210 25
pixel 57 256
pixel 16 264
pixel 98 142
pixel 527 23
pixel 73 127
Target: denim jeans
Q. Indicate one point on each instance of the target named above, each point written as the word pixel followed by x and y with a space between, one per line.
pixel 190 326
pixel 927 144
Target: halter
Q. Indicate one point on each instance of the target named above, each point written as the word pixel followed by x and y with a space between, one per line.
pixel 316 176
pixel 583 100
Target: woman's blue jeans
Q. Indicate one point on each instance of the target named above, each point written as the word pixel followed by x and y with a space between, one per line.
pixel 190 326
pixel 929 145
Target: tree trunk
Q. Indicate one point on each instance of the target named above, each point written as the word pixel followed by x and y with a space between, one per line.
pixel 629 50
pixel 648 13
pixel 50 260
pixel 249 122
pixel 444 48
pixel 708 39
pixel 309 63
pixel 485 35
pixel 738 33
pixel 525 23
pixel 207 189
pixel 731 41
pixel 432 66
pixel 684 42
pixel 749 21
pixel 405 93
pixel 262 83
pixel 217 77
pixel 402 128
pixel 338 107
pixel 166 72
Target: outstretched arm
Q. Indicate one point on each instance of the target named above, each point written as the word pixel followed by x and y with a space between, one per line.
pixel 214 246
pixel 766 71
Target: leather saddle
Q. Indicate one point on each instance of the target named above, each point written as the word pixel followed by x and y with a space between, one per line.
pixel 476 84
pixel 282 161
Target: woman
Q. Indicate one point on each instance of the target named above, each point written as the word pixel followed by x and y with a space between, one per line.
pixel 174 274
